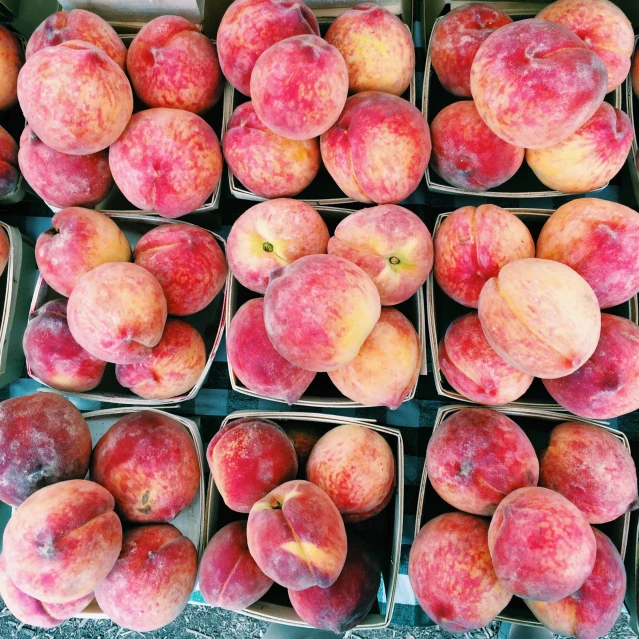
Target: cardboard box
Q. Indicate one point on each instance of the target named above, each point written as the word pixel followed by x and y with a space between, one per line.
pixel 386 529
pixel 537 425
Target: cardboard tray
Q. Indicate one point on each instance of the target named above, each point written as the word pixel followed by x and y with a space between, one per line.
pixel 274 606
pixel 209 322
pixel 632 105
pixel 442 310
pixel 537 425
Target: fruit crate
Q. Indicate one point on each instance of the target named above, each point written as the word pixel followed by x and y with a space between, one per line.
pixel 209 322
pixel 537 425
pixel 383 532
pixel 441 310
pixel 632 105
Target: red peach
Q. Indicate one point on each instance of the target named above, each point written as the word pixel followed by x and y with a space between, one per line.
pixel 5 250
pixel 8 163
pixel 10 64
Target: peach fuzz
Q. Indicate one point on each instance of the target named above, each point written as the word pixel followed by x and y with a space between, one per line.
pixel 172 64
pixel 9 175
pixel 167 160
pixel 187 261
pixel 391 244
pixel 229 578
pixel 78 24
pixel 5 250
pixel 592 611
pixel 456 40
pixel 452 575
pixel 152 579
pixel 474 369
pixel 378 149
pixel 299 87
pixel 355 467
pixel 338 302
pixel 386 369
pixel 75 98
pixel 541 317
pixel 603 27
pixel 248 459
pixel 250 27
pixel 297 537
pixel 117 312
pixel 599 240
pixel 515 77
pixel 62 541
pixel 256 362
pixel 266 163
pixel 150 465
pixel 10 64
pixel 52 354
pixel 271 235
pixel 473 244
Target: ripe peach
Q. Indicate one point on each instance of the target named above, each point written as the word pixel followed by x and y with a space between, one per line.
pixel 516 76
pixel 117 312
pixel 541 317
pixel 10 64
pixel 149 463
pixel 378 149
pixel 271 235
pixel 319 310
pixel 299 87
pixel 75 97
pixel 8 163
pixel 304 437
pixel 473 244
pixel 541 545
pixel 452 575
pixel 5 250
pixel 391 244
pixel 167 160
pixel 297 537
pixel 256 362
pixel 248 459
pixel 187 261
pixel 172 64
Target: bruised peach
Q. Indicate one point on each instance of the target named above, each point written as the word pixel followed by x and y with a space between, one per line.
pixel 10 64
pixel 9 155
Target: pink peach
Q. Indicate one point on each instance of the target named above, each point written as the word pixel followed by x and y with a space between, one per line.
pixel 9 175
pixel 11 58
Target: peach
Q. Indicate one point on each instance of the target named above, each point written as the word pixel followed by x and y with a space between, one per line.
pixel 304 436
pixel 172 64
pixel 62 541
pixel 319 310
pixel 78 24
pixel 60 179
pixel 10 64
pixel 44 440
pixel 5 250
pixel 377 48
pixel 592 611
pixel 452 575
pixel 248 459
pixel 591 468
pixel 167 160
pixel 187 261
pixel 299 87
pixel 250 27
pixel 150 465
pixel 603 27
pixel 9 175
pixel 516 76
pixel 266 163
pixel 152 579
pixel 256 362
pixel 473 244
pixel 474 369
pixel 599 240
pixel 297 537
pixel 343 605
pixel 117 312
pixel 541 545
pixel 467 154
pixel 385 370
pixel 456 40
pixel 391 244
pixel 378 149
pixel 476 457
pixel 75 97
pixel 271 235
pixel 229 577
pixel 541 317
pixel 355 467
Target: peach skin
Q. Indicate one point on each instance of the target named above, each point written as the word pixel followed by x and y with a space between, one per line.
pixel 11 58
pixel 9 160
